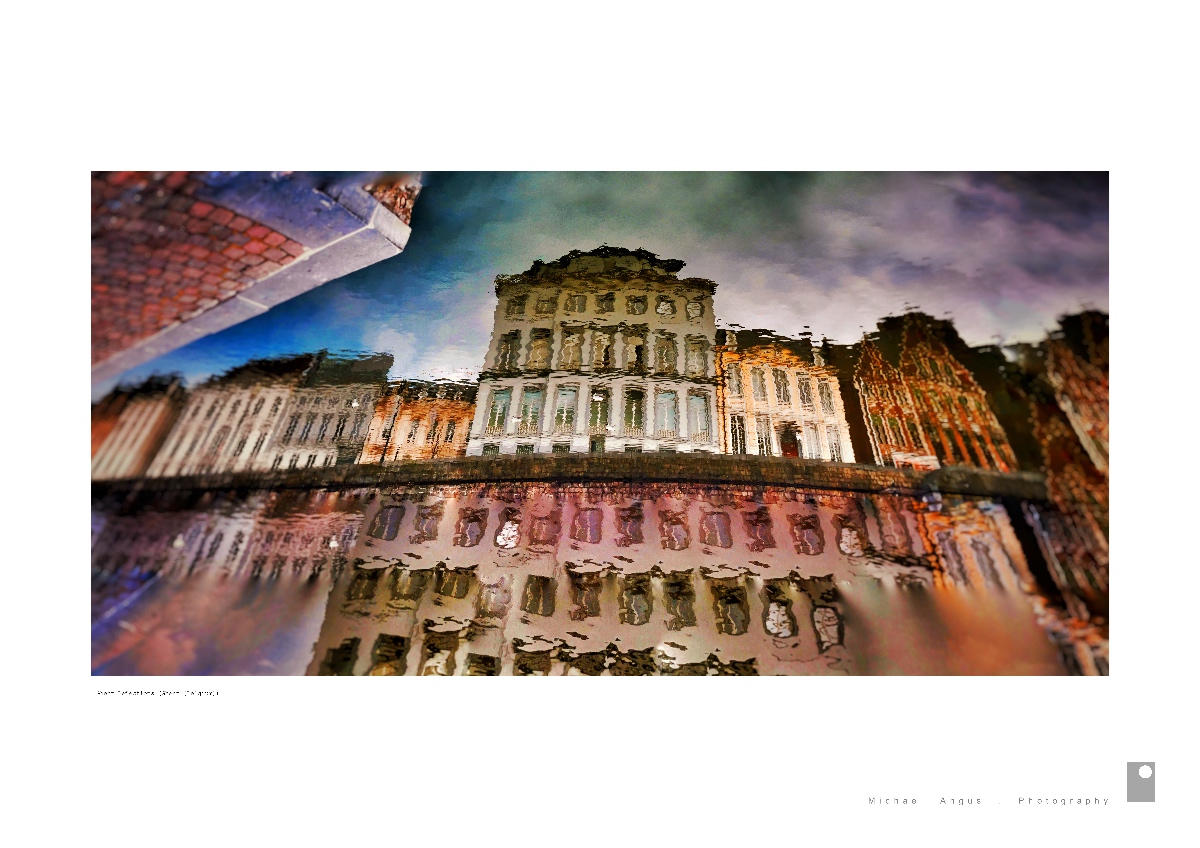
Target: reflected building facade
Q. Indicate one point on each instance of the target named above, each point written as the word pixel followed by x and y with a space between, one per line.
pixel 778 398
pixel 420 419
pixel 608 350
pixel 895 557
pixel 927 406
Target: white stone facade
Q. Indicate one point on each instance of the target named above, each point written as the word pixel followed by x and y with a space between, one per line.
pixel 599 353
pixel 786 412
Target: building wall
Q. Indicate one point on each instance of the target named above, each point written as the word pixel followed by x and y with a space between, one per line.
pixel 132 440
pixel 928 402
pixel 322 426
pixel 600 326
pixel 223 428
pixel 776 403
pixel 420 420
pixel 628 579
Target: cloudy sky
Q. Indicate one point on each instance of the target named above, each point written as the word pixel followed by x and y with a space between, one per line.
pixel 829 254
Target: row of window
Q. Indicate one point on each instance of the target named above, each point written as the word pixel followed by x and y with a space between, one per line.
pixel 309 462
pixel 715 528
pixel 604 304
pixel 528 417
pixel 730 600
pixel 327 427
pixel 539 353
pixel 782 387
pixel 794 441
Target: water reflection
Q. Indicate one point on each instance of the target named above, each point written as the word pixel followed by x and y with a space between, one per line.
pixel 231 534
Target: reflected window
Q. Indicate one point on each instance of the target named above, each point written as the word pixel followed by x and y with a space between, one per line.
pixel 470 527
pixel 538 597
pixel 806 533
pixel 386 523
pixel 715 530
pixel 509 532
pixel 586 525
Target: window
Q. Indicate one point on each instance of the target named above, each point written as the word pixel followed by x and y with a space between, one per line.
pixel 674 530
pixel 596 444
pixel 835 444
pixel 729 604
pixel 633 449
pixel 470 527
pixel 636 599
pixel 737 433
pixel 452 582
pixel 602 350
pixel 758 383
pixel 539 349
pixel 538 597
pixel 698 417
pixel 328 461
pixel 696 358
pixel 509 350
pixel 524 448
pixel 679 599
pixel 629 525
pixel 412 432
pixel 576 302
pixel 828 625
pixel 276 461
pixel 635 404
pixel 546 305
pixel 826 394
pixel 449 436
pixel 560 447
pixel 312 460
pixel 805 386
pixel 635 353
pixel 564 409
pixel 363 584
pixel 586 525
pixel 359 420
pixel 516 306
pixel 388 656
pixel 666 355
pixel 806 533
pixel 340 660
pixel 509 532
pixel 294 461
pixel 762 424
pixel 783 392
pixel 531 410
pixel 635 304
pixel 598 414
pixel 585 589
pixel 606 302
pixel 715 530
pixel 665 306
pixel 812 441
pixel 215 446
pixel 489 450
pixel 695 309
pixel 498 412
pixel 733 380
pixel 666 424
pixel 258 406
pixel 291 428
pixel 758 528
pixel 431 435
pixel 309 420
pixel 572 350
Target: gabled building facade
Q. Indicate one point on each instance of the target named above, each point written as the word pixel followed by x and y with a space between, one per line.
pixel 778 398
